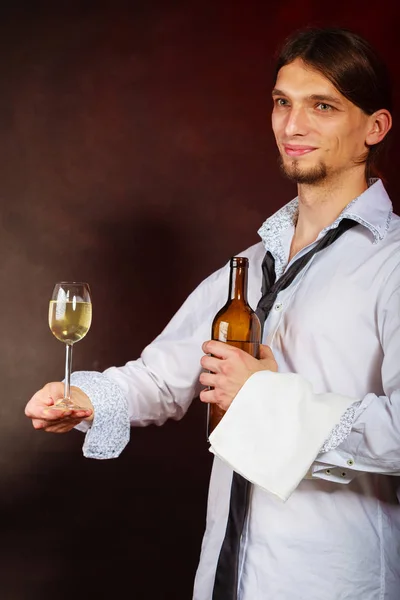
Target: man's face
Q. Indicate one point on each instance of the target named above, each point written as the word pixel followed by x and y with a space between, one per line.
pixel 318 131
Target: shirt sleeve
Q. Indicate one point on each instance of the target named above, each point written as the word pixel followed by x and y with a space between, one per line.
pixel 157 386
pixel 288 432
pixel 162 383
pixel 373 442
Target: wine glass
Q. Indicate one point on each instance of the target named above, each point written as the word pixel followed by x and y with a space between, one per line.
pixel 70 316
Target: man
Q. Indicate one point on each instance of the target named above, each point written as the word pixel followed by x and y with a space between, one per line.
pixel 314 424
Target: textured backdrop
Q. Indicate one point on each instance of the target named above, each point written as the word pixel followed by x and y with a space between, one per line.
pixel 135 154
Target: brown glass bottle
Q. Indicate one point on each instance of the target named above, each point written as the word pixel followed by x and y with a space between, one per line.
pixel 236 323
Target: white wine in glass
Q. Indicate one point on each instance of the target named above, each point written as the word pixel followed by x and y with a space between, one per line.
pixel 70 316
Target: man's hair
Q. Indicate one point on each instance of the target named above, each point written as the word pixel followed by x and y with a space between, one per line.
pixel 351 64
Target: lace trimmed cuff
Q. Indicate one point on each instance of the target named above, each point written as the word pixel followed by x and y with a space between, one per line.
pixel 108 434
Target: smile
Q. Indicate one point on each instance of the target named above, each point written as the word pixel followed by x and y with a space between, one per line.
pixel 298 150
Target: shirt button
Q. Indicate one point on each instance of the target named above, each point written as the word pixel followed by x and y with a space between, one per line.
pixel 278 306
pixel 350 462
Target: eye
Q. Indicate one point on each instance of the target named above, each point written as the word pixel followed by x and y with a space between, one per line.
pixel 323 107
pixel 281 102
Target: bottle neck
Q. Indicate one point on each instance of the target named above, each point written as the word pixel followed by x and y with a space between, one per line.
pixel 238 283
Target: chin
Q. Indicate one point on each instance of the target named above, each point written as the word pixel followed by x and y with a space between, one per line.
pixel 310 175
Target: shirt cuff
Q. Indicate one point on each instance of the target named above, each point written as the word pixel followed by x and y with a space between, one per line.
pixel 274 429
pixel 108 433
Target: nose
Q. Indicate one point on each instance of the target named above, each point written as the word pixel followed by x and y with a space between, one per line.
pixel 296 122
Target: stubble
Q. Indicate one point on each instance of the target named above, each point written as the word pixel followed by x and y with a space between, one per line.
pixel 315 175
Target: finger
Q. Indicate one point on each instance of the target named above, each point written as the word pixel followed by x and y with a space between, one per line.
pixel 211 363
pixel 45 412
pixel 81 413
pixel 208 396
pixel 61 416
pixel 47 423
pixel 57 426
pixel 76 415
pixel 218 349
pixel 54 413
pixel 208 379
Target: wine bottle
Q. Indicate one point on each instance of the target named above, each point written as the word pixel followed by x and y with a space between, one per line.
pixel 236 324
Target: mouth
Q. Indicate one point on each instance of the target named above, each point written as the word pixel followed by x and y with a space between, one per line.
pixel 294 151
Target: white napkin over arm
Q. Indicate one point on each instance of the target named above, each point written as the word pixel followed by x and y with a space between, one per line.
pixel 275 428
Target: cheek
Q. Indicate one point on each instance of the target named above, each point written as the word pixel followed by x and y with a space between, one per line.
pixel 333 145
pixel 277 124
pixel 353 144
pixel 352 141
pixel 341 144
pixel 273 125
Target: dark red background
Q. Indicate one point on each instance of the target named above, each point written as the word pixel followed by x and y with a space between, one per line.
pixel 136 154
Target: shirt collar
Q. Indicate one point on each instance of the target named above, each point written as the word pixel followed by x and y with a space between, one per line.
pixel 372 209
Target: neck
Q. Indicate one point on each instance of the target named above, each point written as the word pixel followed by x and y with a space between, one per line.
pixel 320 205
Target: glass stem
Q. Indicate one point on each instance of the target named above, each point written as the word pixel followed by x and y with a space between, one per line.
pixel 68 363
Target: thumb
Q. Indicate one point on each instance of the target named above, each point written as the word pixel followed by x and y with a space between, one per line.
pixel 266 352
pixel 267 358
pixel 55 390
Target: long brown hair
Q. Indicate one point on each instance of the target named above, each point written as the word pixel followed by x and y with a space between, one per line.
pixel 351 64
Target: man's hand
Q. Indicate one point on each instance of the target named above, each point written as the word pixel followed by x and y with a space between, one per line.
pixel 230 368
pixel 57 420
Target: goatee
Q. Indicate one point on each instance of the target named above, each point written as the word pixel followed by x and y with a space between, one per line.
pixel 292 171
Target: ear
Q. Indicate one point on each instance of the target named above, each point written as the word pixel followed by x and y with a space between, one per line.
pixel 379 123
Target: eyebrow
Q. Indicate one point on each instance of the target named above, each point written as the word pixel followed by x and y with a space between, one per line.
pixel 325 98
pixel 276 92
pixel 315 97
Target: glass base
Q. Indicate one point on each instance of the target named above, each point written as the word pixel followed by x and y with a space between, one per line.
pixel 67 404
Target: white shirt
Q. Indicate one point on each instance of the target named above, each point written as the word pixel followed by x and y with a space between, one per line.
pixel 335 333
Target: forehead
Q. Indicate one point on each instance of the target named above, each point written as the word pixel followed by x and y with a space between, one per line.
pixel 299 79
